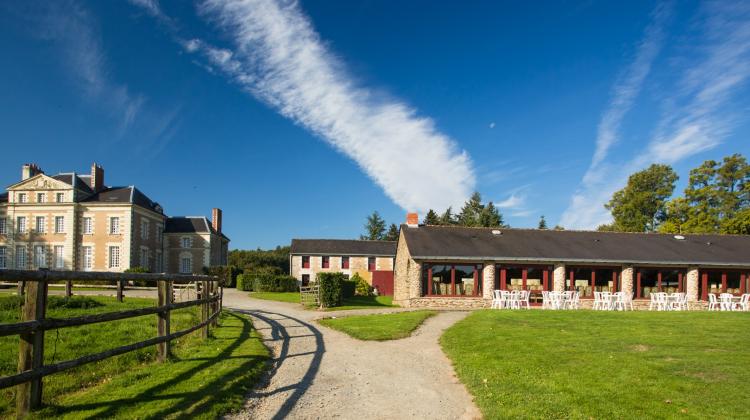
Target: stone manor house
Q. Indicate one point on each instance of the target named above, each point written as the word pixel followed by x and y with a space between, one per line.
pixel 73 221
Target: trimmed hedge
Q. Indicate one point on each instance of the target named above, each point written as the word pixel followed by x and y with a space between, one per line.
pixel 244 282
pixel 331 288
pixel 273 283
pixel 140 283
pixel 348 288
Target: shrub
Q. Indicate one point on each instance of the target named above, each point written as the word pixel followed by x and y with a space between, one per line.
pixel 331 290
pixel 141 283
pixel 73 302
pixel 273 283
pixel 348 287
pixel 363 288
pixel 244 282
pixel 223 272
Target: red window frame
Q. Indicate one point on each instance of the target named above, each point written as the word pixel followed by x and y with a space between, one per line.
pixel 547 270
pixel 371 264
pixel 571 283
pixel 305 261
pixel 344 262
pixel 325 262
pixel 704 282
pixel 477 291
pixel 681 276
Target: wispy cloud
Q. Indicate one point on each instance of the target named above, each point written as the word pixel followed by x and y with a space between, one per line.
pixel 279 58
pixel 514 201
pixel 697 113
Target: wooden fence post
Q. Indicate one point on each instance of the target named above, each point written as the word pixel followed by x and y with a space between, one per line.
pixel 204 308
pixel 21 285
pixel 164 289
pixel 215 292
pixel 31 348
pixel 120 285
pixel 68 288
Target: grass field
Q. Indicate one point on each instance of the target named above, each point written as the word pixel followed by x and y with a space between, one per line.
pixel 379 327
pixel 354 302
pixel 585 364
pixel 73 342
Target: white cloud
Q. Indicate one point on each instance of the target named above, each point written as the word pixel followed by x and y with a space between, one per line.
pixel 151 6
pixel 514 201
pixel 279 58
pixel 492 125
pixel 697 113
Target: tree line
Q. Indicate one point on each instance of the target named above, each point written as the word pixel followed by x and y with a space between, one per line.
pixel 715 200
pixel 474 213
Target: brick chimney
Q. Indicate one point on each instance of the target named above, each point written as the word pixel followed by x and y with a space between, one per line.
pixel 97 177
pixel 216 219
pixel 412 220
pixel 30 169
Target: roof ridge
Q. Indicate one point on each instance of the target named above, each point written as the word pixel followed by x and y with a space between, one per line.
pixel 576 230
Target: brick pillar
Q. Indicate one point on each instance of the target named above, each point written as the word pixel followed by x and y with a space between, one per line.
pixel 488 280
pixel 558 278
pixel 691 284
pixel 626 279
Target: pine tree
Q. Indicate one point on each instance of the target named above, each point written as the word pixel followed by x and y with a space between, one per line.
pixel 374 228
pixel 490 216
pixel 447 218
pixel 542 223
pixel 431 218
pixel 471 212
pixel 392 234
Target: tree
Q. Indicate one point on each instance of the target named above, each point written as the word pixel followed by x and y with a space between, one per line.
pixel 431 218
pixel 640 206
pixel 471 212
pixel 490 216
pixel 392 234
pixel 558 227
pixel 542 223
pixel 447 218
pixel 739 224
pixel 374 228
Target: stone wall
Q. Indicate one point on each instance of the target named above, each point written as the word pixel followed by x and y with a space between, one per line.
pixel 626 278
pixel 691 284
pixel 449 302
pixel 558 278
pixel 407 281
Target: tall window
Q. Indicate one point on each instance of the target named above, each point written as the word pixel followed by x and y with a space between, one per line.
pixel 3 226
pixel 452 280
pixel 21 224
pixel 158 262
pixel 114 225
pixel 60 197
pixel 186 265
pixel 185 242
pixel 59 224
pixel 305 262
pixel 59 257
pixel 41 197
pixel 88 257
pixel 114 257
pixel 40 256
pixel 159 234
pixel 326 262
pixel 40 224
pixel 144 258
pixel 21 257
pixel 653 280
pixel 723 281
pixel 22 198
pixel 344 262
pixel 88 226
pixel 371 264
pixel 144 229
pixel 3 257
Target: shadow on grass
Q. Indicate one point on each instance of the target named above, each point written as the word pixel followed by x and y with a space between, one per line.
pixel 279 323
pixel 202 395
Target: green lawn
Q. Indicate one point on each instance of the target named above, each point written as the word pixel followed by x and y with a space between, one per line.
pixel 585 364
pixel 69 343
pixel 379 327
pixel 289 297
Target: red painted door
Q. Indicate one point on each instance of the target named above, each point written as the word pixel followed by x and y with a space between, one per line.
pixel 383 280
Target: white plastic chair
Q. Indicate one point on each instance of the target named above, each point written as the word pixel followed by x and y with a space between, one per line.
pixel 725 300
pixel 523 299
pixel 653 303
pixel 744 303
pixel 713 304
pixel 546 303
pixel 497 301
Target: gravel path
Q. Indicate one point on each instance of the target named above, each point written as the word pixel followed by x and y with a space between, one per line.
pixel 321 373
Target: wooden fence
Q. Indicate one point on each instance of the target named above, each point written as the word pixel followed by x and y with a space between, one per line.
pixel 31 367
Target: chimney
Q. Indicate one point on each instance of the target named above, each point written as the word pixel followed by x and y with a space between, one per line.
pixel 30 169
pixel 216 219
pixel 97 177
pixel 412 220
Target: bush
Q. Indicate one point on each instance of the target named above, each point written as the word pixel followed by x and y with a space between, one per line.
pixel 274 283
pixel 223 272
pixel 244 282
pixel 363 288
pixel 331 288
pixel 141 283
pixel 348 287
pixel 73 302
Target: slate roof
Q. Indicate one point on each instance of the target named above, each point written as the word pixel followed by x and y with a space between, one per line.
pixel 129 195
pixel 190 224
pixel 435 242
pixel 343 247
pixel 3 197
pixel 82 182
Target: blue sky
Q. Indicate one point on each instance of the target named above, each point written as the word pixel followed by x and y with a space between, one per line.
pixel 299 119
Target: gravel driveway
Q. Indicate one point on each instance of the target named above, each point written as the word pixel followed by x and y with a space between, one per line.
pixel 321 373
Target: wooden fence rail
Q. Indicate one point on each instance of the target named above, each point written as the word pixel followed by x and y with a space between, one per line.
pixel 34 323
